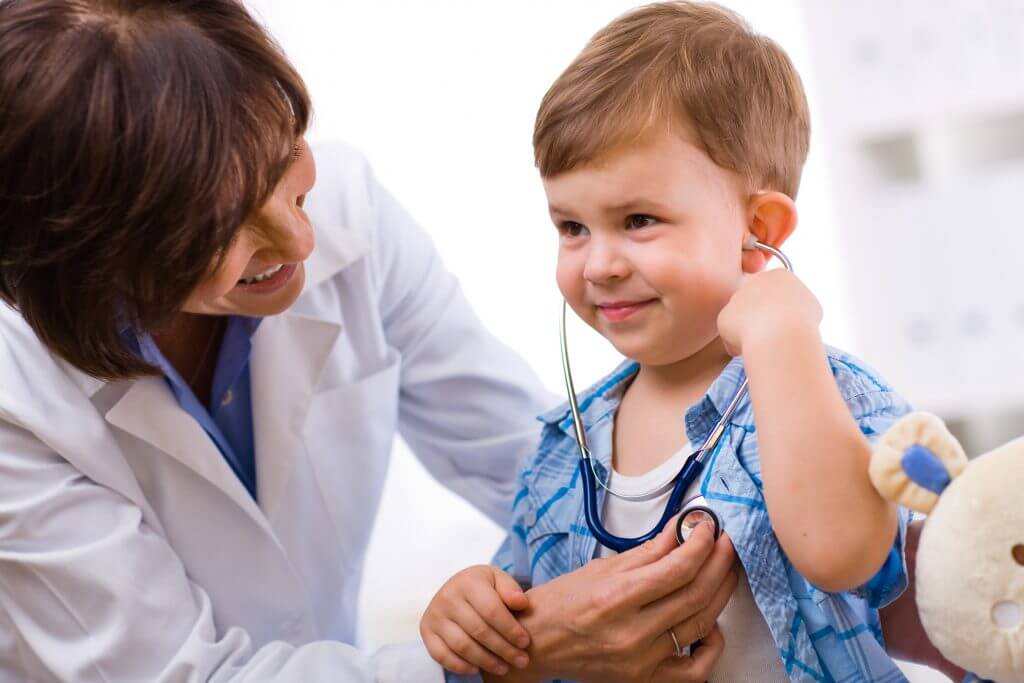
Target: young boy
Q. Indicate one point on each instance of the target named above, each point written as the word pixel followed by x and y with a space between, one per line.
pixel 674 140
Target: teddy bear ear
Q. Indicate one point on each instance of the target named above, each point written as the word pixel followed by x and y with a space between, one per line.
pixel 915 460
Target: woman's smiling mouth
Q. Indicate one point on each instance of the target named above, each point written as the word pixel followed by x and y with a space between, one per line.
pixel 270 280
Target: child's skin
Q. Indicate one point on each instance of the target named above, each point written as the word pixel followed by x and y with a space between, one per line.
pixel 651 254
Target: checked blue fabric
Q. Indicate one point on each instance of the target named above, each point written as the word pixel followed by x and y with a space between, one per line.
pixel 820 636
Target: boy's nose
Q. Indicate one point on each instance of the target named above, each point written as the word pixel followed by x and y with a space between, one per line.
pixel 604 263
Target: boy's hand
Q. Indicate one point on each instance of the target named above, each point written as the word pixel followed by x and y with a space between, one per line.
pixel 469 626
pixel 769 304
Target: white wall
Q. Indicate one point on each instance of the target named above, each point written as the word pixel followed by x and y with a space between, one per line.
pixel 441 96
pixel 925 118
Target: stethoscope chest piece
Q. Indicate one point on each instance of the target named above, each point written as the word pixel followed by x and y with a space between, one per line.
pixel 691 518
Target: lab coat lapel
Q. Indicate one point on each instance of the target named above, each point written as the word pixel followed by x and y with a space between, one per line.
pixel 149 411
pixel 289 352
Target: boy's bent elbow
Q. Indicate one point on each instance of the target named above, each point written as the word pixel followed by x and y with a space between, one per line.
pixel 847 561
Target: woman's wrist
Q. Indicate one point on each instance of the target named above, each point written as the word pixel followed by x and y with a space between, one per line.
pixel 513 676
pixel 542 644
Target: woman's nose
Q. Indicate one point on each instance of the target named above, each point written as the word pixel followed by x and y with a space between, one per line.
pixel 284 231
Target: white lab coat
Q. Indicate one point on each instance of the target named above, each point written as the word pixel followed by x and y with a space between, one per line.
pixel 129 550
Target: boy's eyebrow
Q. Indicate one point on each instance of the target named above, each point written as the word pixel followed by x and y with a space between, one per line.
pixel 638 204
pixel 634 205
pixel 558 212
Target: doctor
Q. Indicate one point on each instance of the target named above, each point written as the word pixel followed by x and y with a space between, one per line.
pixel 204 362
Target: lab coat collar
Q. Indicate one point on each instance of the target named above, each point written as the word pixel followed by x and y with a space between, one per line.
pixel 289 352
pixel 288 355
pixel 149 412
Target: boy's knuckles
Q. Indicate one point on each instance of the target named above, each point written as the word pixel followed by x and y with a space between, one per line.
pixel 460 642
pixel 492 612
pixel 478 631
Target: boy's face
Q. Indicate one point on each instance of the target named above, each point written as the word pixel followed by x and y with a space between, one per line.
pixel 650 246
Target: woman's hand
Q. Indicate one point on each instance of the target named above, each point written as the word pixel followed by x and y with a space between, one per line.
pixel 608 621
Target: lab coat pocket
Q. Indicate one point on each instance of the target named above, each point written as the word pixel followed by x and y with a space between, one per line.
pixel 348 438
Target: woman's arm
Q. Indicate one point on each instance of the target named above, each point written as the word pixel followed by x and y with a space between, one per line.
pixel 468 403
pixel 608 621
pixel 90 592
pixel 901 624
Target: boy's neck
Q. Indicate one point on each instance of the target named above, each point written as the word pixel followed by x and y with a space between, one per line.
pixel 649 424
pixel 690 377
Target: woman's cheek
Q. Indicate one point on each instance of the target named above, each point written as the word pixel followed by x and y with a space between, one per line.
pixel 219 285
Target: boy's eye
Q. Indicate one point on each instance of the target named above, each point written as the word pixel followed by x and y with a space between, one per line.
pixel 571 228
pixel 639 220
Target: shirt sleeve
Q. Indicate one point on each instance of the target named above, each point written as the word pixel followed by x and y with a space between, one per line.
pixel 90 592
pixel 875 412
pixel 449 677
pixel 468 403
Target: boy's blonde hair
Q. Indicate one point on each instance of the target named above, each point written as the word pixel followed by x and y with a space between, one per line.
pixel 683 66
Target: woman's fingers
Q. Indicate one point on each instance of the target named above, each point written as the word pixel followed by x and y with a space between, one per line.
pixel 695 668
pixel 647 553
pixel 696 594
pixel 691 626
pixel 669 573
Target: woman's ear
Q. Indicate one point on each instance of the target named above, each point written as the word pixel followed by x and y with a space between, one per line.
pixel 771 219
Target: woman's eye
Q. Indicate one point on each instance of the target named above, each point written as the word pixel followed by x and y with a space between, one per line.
pixel 638 220
pixel 571 228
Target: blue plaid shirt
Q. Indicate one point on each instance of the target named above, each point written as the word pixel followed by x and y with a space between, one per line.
pixel 820 636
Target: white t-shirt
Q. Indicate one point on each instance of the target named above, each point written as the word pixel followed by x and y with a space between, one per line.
pixel 750 654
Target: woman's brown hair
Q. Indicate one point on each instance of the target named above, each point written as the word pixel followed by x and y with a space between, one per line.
pixel 135 138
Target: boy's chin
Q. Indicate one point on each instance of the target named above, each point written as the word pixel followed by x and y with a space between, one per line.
pixel 644 354
pixel 659 353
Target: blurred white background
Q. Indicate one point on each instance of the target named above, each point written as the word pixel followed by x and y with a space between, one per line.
pixel 441 96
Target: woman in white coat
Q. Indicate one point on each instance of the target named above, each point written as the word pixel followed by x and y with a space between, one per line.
pixel 204 362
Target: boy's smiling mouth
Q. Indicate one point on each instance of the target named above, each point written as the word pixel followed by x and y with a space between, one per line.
pixel 616 311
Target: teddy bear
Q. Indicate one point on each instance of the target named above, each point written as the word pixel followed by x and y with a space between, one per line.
pixel 970 560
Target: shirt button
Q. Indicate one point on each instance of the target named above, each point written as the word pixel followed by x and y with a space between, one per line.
pixel 530 518
pixel 228 398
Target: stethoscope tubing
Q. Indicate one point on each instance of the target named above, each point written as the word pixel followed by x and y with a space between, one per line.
pixel 691 469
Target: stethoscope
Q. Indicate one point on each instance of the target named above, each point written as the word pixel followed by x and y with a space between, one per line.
pixel 691 469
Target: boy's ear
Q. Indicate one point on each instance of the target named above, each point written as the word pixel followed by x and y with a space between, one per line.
pixel 771 218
